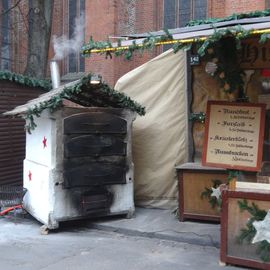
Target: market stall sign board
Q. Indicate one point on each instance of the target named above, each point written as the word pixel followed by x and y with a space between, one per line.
pixel 234 135
pixel 254 55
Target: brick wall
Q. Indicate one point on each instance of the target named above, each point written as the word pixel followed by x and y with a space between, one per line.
pixel 216 8
pixel 119 18
pixel 106 18
pixel 223 8
pixel 19 36
pixel 242 6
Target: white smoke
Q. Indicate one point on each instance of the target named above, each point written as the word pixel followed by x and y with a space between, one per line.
pixel 64 46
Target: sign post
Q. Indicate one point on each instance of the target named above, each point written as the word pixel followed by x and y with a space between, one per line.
pixel 234 135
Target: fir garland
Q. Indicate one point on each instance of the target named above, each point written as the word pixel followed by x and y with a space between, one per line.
pixel 224 43
pixel 101 95
pixel 213 201
pixel 233 174
pixel 148 44
pixel 197 117
pixel 236 32
pixel 248 233
pixel 25 80
pixel 222 48
pixel 206 194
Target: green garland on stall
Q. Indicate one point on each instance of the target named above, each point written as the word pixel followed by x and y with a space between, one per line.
pixel 222 49
pixel 148 44
pixel 248 233
pixel 197 117
pixel 233 174
pixel 25 80
pixel 224 42
pixel 120 100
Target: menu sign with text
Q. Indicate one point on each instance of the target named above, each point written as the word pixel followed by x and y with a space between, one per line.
pixel 234 135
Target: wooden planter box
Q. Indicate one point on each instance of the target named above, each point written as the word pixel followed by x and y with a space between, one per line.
pixel 232 221
pixel 192 181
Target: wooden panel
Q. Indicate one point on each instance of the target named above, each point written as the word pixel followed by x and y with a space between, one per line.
pixel 94 122
pixel 194 183
pixel 193 179
pixel 233 220
pixel 12 132
pixel 93 174
pixel 94 145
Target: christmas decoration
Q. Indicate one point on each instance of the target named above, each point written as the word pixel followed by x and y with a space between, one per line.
pixel 223 65
pixel 30 176
pixel 262 229
pixel 222 45
pixel 106 47
pixel 216 192
pixel 265 79
pixel 44 141
pixel 233 174
pixel 213 193
pixel 248 234
pixel 211 68
pixel 197 117
pixel 100 95
pixel 25 80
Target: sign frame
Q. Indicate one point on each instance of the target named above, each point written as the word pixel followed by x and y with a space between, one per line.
pixel 259 152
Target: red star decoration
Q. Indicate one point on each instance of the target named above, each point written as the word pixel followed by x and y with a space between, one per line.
pixel 30 176
pixel 44 142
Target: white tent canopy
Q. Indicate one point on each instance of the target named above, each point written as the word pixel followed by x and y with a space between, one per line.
pixel 159 138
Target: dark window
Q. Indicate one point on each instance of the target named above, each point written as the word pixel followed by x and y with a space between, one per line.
pixel 177 13
pixel 199 9
pixel 5 37
pixel 75 9
pixel 169 14
pixel 184 12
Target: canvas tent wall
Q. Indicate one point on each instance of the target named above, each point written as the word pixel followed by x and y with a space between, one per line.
pixel 159 138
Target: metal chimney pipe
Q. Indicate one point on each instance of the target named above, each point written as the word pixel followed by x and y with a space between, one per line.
pixel 55 74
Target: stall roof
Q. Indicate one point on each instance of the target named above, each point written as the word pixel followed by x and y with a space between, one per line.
pixel 194 32
pixel 81 92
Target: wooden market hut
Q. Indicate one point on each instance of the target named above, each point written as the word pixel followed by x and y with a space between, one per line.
pixel 228 62
pixel 15 90
pixel 201 83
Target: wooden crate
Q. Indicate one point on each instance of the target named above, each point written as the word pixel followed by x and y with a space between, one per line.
pixel 232 221
pixel 192 181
